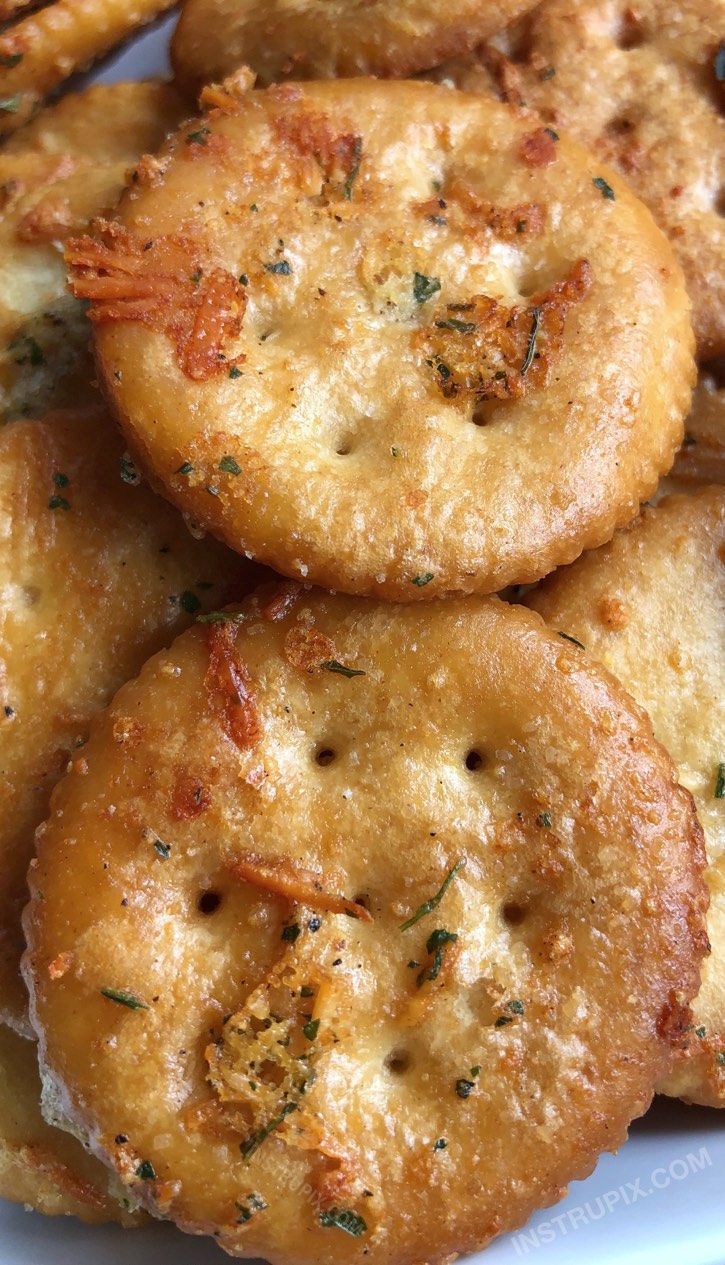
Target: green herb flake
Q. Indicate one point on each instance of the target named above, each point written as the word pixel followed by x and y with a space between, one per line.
pixel 421 580
pixel 460 327
pixel 196 276
pixel 306 992
pixel 720 781
pixel 354 171
pixel 574 641
pixel 476 1071
pixel 235 372
pixel 701 1032
pixel 547 73
pixel 11 105
pixel 464 1088
pixel 199 136
pixel 60 480
pixel 185 468
pixel 343 1219
pixel 720 1058
pixel 163 849
pixel 250 1146
pixel 605 189
pixel 230 466
pixel 290 932
pixel 440 1144
pixel 434 901
pixel 436 944
pixel 395 452
pixel 424 287
pixel 219 617
pixel 282 268
pixel 333 665
pixel 550 132
pixel 531 346
pixel 146 1171
pixel 720 63
pixel 189 602
pixel 516 1007
pixel 311 1028
pixel 503 1021
pixel 544 819
pixel 123 998
pixel 128 471
pixel 58 503
pixel 30 351
pixel 254 1203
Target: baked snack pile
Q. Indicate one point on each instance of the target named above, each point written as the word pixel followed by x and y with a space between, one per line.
pixel 329 908
pixel 362 923
pixel 430 328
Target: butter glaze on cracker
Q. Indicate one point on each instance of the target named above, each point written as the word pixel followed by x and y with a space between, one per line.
pixel 389 339
pixel 351 998
pixel 651 607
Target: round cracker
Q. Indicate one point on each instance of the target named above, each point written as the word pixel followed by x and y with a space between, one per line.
pixel 41 1166
pixel 46 47
pixel 640 86
pixel 329 39
pixel 67 166
pixel 331 921
pixel 360 332
pixel 651 606
pixel 96 573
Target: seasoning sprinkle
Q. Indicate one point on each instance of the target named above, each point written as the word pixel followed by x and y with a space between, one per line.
pixel 533 335
pixel 434 901
pixel 311 1028
pixel 720 781
pixel 219 617
pixel 290 932
pixel 333 665
pixel 436 943
pixel 250 1146
pixel 282 268
pixel 605 189
pixel 421 580
pixel 544 819
pixel 123 998
pixel 230 466
pixel 573 640
pixel 424 287
pixel 354 172
pixel 146 1171
pixel 185 468
pixel 343 1219
pixel 58 503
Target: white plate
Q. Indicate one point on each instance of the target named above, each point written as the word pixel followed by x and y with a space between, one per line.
pixel 660 1201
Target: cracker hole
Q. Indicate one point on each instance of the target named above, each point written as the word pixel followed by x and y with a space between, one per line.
pixel 620 125
pixel 484 412
pixel 363 899
pixel 325 756
pixel 398 1062
pixel 474 760
pixel 513 913
pixel 208 902
pixel 630 32
pixel 720 202
pixel 344 448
